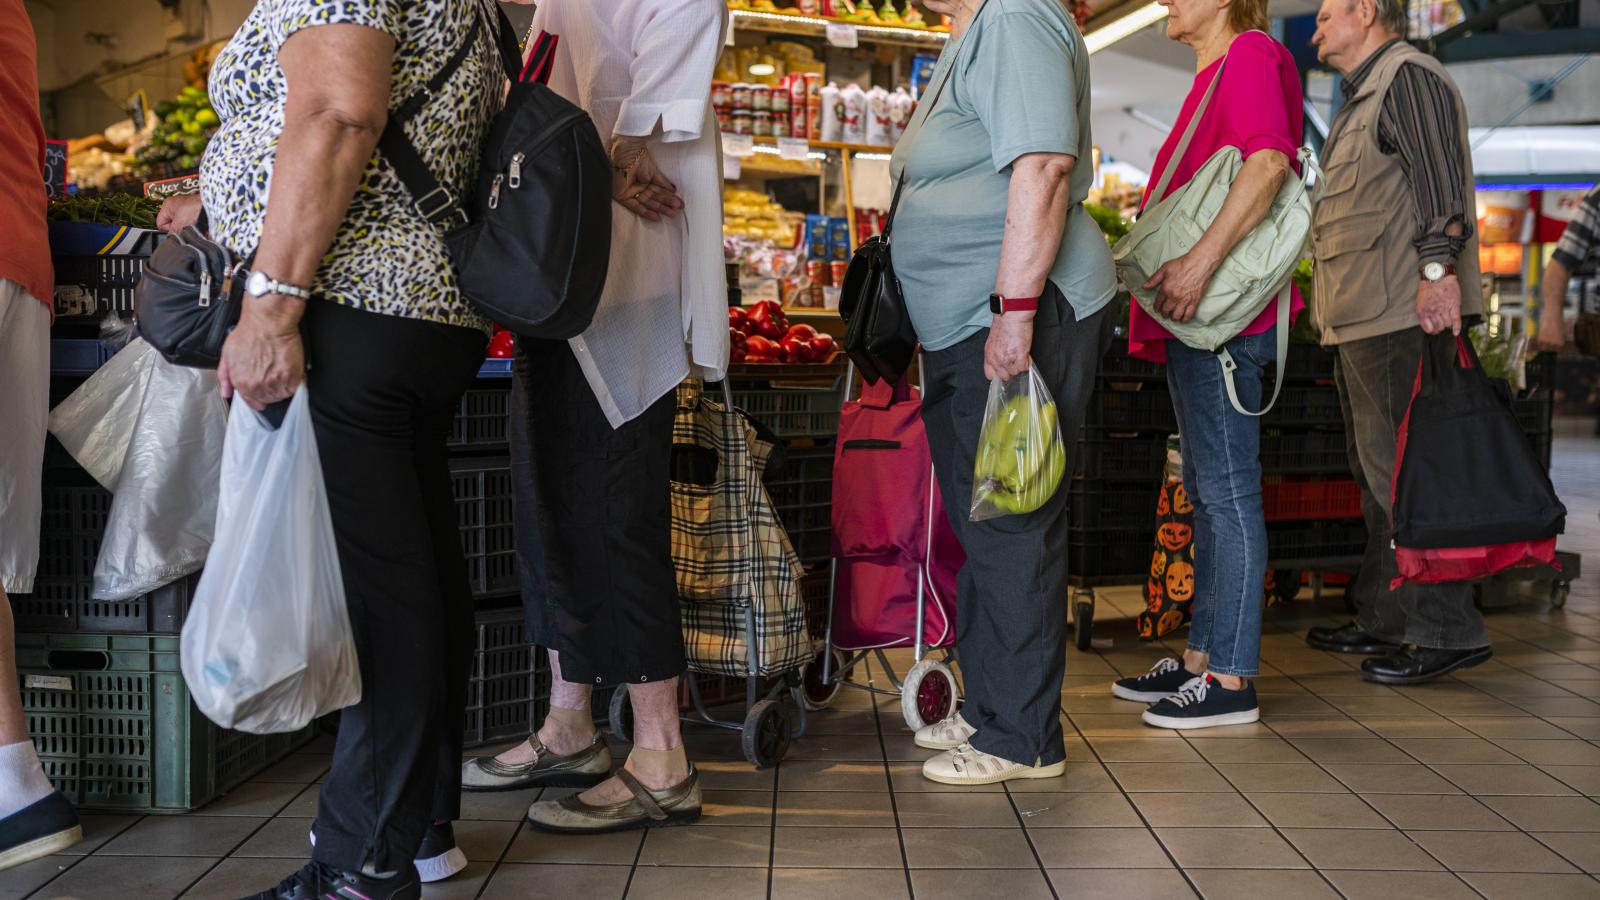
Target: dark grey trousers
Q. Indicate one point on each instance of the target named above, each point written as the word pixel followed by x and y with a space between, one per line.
pixel 1374 377
pixel 1011 607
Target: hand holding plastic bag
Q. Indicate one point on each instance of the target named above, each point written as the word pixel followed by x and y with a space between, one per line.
pixel 1021 456
pixel 267 646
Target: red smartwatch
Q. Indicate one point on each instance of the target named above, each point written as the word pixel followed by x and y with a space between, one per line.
pixel 1001 305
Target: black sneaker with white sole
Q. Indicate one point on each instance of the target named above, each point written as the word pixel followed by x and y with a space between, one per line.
pixel 39 829
pixel 1164 679
pixel 316 881
pixel 438 858
pixel 1205 703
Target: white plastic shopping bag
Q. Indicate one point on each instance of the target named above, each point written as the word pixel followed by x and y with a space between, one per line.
pixel 267 646
pixel 1021 456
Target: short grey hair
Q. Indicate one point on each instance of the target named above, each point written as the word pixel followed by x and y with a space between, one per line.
pixel 1392 16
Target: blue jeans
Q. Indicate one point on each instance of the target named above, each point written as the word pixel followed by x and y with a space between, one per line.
pixel 1222 475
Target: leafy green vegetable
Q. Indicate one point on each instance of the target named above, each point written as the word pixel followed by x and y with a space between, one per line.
pixel 1494 353
pixel 1112 225
pixel 112 209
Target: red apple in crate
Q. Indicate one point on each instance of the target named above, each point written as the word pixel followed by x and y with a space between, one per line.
pixel 738 320
pixel 821 347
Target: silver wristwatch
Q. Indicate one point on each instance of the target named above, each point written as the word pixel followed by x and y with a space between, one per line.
pixel 259 285
pixel 1437 271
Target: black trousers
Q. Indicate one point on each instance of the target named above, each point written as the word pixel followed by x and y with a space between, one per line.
pixel 383 393
pixel 1374 378
pixel 594 524
pixel 1011 596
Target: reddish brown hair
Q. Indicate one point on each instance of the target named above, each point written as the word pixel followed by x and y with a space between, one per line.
pixel 1247 15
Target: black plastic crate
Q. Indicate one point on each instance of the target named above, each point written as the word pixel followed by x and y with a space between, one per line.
pixel 1110 554
pixel 801 489
pixel 791 411
pixel 1287 543
pixel 1309 363
pixel 88 288
pixel 1118 365
pixel 1097 505
pixel 161 611
pixel 814 595
pixel 1120 455
pixel 488 527
pixel 1130 406
pixel 509 691
pixel 1305 406
pixel 482 420
pixel 1314 452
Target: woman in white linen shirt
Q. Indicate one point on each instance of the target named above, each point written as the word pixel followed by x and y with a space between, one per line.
pixel 592 418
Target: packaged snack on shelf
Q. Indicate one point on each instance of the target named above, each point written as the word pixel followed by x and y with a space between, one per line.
pixel 814 105
pixel 838 239
pixel 817 236
pixel 879 130
pixel 921 71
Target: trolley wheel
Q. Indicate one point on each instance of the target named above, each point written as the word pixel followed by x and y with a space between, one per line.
pixel 928 694
pixel 1287 582
pixel 819 695
pixel 621 714
pixel 1083 619
pixel 1558 593
pixel 766 733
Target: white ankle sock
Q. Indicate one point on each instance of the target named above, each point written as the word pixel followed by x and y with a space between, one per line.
pixel 22 781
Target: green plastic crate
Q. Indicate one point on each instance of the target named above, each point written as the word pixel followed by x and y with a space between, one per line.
pixel 115 728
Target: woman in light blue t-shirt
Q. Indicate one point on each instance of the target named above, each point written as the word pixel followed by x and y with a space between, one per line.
pixel 1000 264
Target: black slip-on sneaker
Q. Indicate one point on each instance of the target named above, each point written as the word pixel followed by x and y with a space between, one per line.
pixel 39 829
pixel 1165 678
pixel 1205 703
pixel 319 882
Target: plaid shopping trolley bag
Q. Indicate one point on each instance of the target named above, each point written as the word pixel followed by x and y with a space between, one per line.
pixel 730 553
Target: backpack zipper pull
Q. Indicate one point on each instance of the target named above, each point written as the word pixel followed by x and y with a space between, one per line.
pixel 516 170
pixel 494 192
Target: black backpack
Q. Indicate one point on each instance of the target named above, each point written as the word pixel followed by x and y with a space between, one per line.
pixel 532 244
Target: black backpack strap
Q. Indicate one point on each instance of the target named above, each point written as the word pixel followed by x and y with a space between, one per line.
pixel 432 201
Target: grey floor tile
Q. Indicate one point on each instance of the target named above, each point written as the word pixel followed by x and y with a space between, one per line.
pixel 1476 751
pixel 497 806
pixel 1355 848
pixel 835 810
pixel 1486 851
pixel 235 878
pixel 1391 778
pixel 1198 811
pixel 1350 750
pixel 619 849
pixel 956 811
pixel 1247 750
pixel 1080 810
pixel 832 775
pixel 1114 750
pixel 1549 813
pixel 968 848
pixel 1317 811
pixel 1119 726
pixel 1357 885
pixel 298 768
pixel 1427 725
pixel 1190 777
pixel 957 884
pixel 1518 727
pixel 466 884
pixel 737 807
pixel 712 847
pixel 678 882
pixel 836 747
pixel 1318 728
pixel 513 881
pixel 211 836
pixel 1582 849
pixel 1554 753
pixel 1583 779
pixel 1301 778
pixel 1229 848
pixel 820 848
pixel 831 884
pixel 112 878
pixel 1588 729
pixel 1524 780
pixel 1435 812
pixel 20 881
pixel 1099 848
pixel 1253 884
pixel 730 775
pixel 97 830
pixel 485 841
pixel 1121 884
pixel 842 721
pixel 282 838
pixel 1080 776
pixel 1545 887
pixel 254 798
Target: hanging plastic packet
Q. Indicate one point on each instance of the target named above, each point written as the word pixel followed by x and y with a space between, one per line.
pixel 1021 456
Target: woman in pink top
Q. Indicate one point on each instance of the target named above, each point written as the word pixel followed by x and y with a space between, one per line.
pixel 1257 108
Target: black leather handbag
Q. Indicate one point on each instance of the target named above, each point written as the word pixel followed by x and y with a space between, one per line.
pixel 879 336
pixel 189 298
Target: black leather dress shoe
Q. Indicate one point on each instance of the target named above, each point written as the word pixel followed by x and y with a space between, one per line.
pixel 1414 665
pixel 1348 638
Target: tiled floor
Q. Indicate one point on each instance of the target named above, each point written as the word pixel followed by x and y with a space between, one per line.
pixel 1483 785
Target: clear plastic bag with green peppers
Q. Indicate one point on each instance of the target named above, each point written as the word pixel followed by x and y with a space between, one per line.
pixel 1021 457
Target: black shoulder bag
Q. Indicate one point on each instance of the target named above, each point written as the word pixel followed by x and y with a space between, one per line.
pixel 879 337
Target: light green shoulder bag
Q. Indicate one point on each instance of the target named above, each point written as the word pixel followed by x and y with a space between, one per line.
pixel 1257 270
